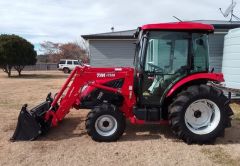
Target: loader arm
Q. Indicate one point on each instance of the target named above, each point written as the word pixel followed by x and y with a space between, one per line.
pixel 95 77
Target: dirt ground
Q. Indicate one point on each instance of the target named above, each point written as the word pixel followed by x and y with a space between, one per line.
pixel 68 144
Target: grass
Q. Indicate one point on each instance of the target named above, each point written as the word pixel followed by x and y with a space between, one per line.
pixel 236 110
pixel 5 103
pixel 219 156
pixel 9 127
pixel 39 76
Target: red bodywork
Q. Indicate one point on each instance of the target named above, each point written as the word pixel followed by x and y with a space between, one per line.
pixel 187 26
pixel 199 76
pixel 83 80
pixel 92 78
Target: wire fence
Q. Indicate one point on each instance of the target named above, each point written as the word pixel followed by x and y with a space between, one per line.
pixel 42 66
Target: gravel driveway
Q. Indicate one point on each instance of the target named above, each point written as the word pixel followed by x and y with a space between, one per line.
pixel 68 144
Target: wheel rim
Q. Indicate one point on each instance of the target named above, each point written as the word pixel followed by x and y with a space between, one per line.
pixel 106 125
pixel 202 116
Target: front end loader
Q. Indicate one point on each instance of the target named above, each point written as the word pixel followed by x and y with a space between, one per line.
pixel 82 82
pixel 169 85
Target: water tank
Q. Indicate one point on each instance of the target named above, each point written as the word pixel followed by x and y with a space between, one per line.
pixel 231 59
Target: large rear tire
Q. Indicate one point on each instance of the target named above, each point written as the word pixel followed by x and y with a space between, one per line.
pixel 105 123
pixel 200 114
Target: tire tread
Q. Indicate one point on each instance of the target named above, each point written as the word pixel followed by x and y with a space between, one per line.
pixel 176 111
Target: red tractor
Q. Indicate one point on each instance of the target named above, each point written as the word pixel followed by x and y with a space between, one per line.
pixel 169 85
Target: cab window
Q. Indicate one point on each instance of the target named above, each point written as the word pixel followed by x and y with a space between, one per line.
pixel 76 63
pixel 69 62
pixel 62 62
pixel 200 52
pixel 167 52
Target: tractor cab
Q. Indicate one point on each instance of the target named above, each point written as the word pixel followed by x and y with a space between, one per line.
pixel 166 53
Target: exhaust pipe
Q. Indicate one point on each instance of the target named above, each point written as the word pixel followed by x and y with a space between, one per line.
pixel 31 123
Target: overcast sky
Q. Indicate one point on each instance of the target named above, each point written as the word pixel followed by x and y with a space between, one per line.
pixel 66 20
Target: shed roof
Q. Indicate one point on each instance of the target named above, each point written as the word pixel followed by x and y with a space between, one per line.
pixel 128 34
pixel 220 24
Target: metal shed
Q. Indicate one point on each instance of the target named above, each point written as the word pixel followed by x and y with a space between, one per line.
pixel 111 49
pixel 117 48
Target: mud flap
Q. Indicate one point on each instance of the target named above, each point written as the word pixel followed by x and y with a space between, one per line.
pixel 31 123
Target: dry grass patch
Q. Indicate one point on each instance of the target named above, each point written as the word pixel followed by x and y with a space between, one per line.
pixel 236 110
pixel 219 156
pixel 9 127
pixel 69 144
pixel 8 104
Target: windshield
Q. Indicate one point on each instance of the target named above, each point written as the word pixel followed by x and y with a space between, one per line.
pixel 136 59
pixel 139 51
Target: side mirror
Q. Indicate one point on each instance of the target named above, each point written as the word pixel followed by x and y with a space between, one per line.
pixel 135 35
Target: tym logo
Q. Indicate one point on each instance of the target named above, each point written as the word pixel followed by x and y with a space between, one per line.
pixel 102 75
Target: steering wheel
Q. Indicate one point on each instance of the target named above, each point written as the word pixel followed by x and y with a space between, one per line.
pixel 159 69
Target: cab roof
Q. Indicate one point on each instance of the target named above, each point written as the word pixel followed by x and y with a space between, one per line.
pixel 182 26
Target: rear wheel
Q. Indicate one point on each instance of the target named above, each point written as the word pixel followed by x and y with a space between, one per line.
pixel 105 123
pixel 200 114
pixel 66 70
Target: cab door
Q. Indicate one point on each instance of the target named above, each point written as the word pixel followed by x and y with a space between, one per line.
pixel 166 60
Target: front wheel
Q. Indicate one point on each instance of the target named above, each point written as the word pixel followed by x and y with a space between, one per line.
pixel 105 123
pixel 200 114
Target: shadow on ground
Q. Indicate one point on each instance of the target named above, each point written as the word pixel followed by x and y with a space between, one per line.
pixel 232 134
pixel 72 127
pixel 69 128
pixel 39 76
pixel 146 132
pixel 75 127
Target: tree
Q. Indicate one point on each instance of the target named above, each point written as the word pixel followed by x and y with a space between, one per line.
pixel 71 50
pixel 50 50
pixel 15 52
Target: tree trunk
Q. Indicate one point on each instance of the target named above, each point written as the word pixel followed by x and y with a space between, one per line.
pixel 8 70
pixel 19 69
pixel 19 72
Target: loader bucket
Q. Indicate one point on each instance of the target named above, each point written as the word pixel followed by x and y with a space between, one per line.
pixel 31 123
